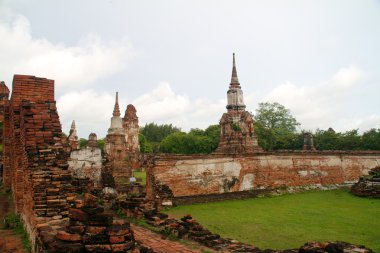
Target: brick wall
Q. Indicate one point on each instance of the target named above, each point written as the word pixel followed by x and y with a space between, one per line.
pixel 35 160
pixel 213 174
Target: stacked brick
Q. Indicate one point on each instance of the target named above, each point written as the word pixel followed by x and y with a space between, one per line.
pixel 368 186
pixel 189 228
pixel 4 93
pixel 35 155
pixel 47 160
pixel 91 229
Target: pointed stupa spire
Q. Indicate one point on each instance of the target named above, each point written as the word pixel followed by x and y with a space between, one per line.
pixel 234 77
pixel 116 109
pixel 73 130
pixel 73 136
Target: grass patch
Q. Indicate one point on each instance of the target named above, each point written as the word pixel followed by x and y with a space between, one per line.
pixel 10 220
pixel 13 221
pixel 141 175
pixel 288 221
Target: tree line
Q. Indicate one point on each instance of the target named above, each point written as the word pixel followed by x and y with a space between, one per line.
pixel 275 127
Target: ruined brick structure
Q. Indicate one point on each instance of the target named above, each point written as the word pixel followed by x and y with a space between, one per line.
pixel 73 137
pixel 4 94
pixel 131 128
pixel 369 185
pixel 308 142
pixel 221 173
pixel 35 156
pixel 237 134
pixel 85 166
pixel 240 165
pixel 121 145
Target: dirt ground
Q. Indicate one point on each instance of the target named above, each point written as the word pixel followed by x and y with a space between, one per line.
pixel 9 242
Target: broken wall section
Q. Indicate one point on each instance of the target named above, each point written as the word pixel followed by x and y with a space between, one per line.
pixel 85 166
pixel 201 175
pixel 35 154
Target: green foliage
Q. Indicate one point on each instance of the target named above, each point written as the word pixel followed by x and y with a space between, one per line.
pixel 13 221
pixel 308 216
pixel 152 134
pixel 350 140
pixel 276 127
pixel 145 146
pixel 235 127
pixel 195 142
pixel 371 140
pixel 120 212
pixel 141 175
pixel 83 143
pixel 156 133
pixel 213 132
pixel 275 116
pixel 1 147
pixel 101 143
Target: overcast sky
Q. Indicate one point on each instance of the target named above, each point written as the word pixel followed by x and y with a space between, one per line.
pixel 173 59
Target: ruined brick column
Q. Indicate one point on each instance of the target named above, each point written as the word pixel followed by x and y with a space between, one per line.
pixel 35 158
pixel 308 143
pixel 4 94
pixel 131 128
pixel 73 137
pixel 237 133
pixel 116 149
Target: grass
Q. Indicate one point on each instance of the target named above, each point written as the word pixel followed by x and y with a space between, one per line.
pixel 289 221
pixel 12 221
pixel 140 174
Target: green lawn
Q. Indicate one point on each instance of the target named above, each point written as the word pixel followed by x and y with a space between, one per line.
pixel 288 221
pixel 141 175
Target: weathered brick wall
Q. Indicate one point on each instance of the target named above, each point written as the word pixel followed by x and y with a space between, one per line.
pixel 210 174
pixel 87 164
pixel 35 160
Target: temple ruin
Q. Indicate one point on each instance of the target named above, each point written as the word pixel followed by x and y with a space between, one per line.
pixel 54 181
pixel 237 134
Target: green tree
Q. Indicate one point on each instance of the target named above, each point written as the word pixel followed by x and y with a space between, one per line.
pixel 276 127
pixel 350 140
pixel 101 143
pixel 156 133
pixel 326 140
pixel 213 132
pixel 145 146
pixel 197 141
pixel 83 143
pixel 371 139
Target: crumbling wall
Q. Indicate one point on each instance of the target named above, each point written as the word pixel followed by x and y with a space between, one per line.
pixel 35 154
pixel 87 164
pixel 213 174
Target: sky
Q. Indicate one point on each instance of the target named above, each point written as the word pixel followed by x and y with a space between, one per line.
pixel 173 59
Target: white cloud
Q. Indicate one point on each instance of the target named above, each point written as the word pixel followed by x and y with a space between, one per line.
pixel 365 123
pixel 90 110
pixel 161 104
pixel 323 105
pixel 71 66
